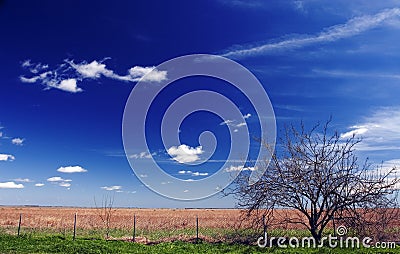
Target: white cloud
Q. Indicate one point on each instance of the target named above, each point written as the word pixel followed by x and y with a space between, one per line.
pixel 17 141
pixel 234 124
pixel 11 185
pixel 68 85
pixel 142 155
pixel 147 74
pixel 248 115
pixel 188 172
pixel 91 70
pixel 29 80
pixel 351 28
pixel 357 130
pixel 71 169
pixel 64 184
pixel 199 174
pixel 39 184
pixel 239 168
pixel 26 63
pixel 58 179
pixel 6 157
pixel 379 131
pixel 111 188
pixel 23 180
pixel 66 76
pixel 34 68
pixel 184 153
pixel 186 191
pixel 226 122
pixel 143 175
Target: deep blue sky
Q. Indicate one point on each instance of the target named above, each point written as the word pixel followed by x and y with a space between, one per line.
pixel 314 59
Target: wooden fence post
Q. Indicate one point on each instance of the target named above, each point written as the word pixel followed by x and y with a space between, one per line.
pixel 334 226
pixel 264 226
pixel 19 223
pixel 74 228
pixel 197 229
pixel 134 228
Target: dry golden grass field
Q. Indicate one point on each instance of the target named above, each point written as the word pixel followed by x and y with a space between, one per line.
pixel 150 223
pixel 122 218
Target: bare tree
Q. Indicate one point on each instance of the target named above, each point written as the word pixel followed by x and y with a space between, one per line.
pixel 376 220
pixel 105 212
pixel 316 175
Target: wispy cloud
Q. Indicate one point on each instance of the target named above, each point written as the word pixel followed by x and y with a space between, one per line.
pixel 71 169
pixel 23 180
pixel 111 188
pixel 67 75
pixel 243 3
pixel 142 155
pixel 39 184
pixel 239 168
pixel 351 28
pixel 234 123
pixel 18 141
pixel 355 74
pixel 64 184
pixel 247 116
pixel 11 185
pixel 58 179
pixel 380 131
pixel 185 153
pixel 189 172
pixel 6 157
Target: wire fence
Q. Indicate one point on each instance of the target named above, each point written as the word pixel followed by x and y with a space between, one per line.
pixel 139 225
pixel 146 225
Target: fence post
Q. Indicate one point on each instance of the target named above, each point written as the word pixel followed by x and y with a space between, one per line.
pixel 134 228
pixel 19 223
pixel 264 226
pixel 334 226
pixel 74 228
pixel 197 229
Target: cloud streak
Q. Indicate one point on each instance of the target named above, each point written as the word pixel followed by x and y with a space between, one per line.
pixel 23 180
pixel 351 28
pixel 111 188
pixel 67 75
pixel 188 172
